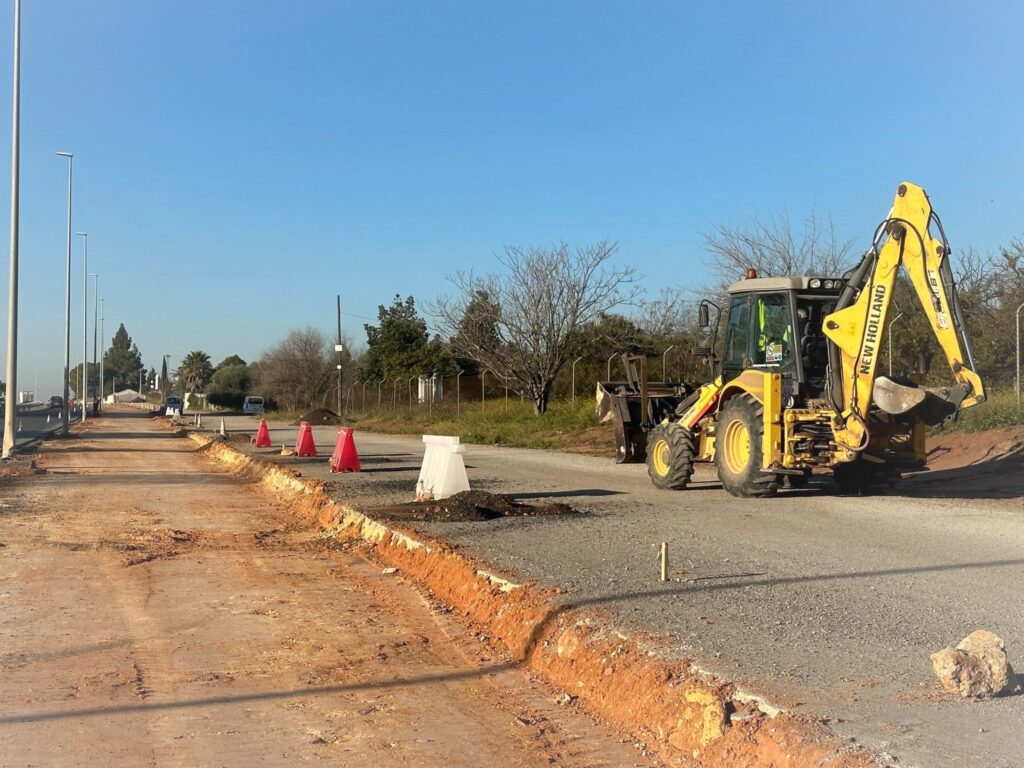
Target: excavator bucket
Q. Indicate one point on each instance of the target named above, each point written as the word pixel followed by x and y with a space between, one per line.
pixel 932 405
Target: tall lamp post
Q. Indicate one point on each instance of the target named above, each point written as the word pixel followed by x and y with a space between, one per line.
pixel 85 325
pixel 95 331
pixel 891 324
pixel 65 411
pixel 1018 352
pixel 101 356
pixel 12 285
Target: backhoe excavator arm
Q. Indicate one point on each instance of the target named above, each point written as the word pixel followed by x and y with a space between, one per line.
pixel 855 327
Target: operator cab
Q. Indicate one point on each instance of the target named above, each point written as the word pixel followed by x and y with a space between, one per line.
pixel 775 323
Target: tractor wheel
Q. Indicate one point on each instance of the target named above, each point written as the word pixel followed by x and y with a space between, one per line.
pixel 670 452
pixel 863 478
pixel 738 433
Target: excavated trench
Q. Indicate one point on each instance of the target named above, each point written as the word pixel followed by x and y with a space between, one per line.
pixel 687 715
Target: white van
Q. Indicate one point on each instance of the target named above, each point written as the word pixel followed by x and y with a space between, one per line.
pixel 252 404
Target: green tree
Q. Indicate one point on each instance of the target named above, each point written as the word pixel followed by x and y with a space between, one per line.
pixel 400 345
pixel 75 377
pixel 195 371
pixel 122 362
pixel 229 361
pixel 230 385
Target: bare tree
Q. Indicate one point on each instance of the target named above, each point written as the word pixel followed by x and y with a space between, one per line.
pixel 298 372
pixel 519 324
pixel 774 249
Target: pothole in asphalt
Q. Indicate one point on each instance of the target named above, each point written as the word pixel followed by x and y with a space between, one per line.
pixel 470 506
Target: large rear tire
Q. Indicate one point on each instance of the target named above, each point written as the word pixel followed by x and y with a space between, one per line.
pixel 670 452
pixel 738 455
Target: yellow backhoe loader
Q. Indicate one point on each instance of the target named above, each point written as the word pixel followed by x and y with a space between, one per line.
pixel 797 386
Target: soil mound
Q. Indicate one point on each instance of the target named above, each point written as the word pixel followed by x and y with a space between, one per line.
pixel 318 416
pixel 471 506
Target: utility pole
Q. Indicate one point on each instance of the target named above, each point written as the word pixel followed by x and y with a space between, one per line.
pixel 340 349
pixel 1018 357
pixel 12 286
pixel 65 411
pixel 101 356
pixel 95 318
pixel 85 326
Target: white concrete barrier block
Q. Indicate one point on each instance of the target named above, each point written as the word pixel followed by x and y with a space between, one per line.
pixel 443 473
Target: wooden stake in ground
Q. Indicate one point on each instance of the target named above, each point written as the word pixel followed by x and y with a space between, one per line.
pixel 664 561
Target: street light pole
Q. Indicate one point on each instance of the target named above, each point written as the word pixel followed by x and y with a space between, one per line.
pixel 95 317
pixel 1018 352
pixel 664 357
pixel 12 285
pixel 65 411
pixel 102 387
pixel 574 378
pixel 891 324
pixel 85 326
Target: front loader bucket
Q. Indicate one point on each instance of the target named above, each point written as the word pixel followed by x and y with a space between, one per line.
pixel 634 406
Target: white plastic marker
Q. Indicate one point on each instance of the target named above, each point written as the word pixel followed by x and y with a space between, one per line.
pixel 443 473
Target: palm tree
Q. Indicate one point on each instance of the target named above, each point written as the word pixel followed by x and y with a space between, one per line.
pixel 195 371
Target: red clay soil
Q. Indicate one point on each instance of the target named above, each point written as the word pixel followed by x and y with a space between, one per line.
pixel 989 462
pixel 684 714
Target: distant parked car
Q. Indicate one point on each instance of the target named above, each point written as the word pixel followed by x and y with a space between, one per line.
pixel 56 401
pixel 172 402
pixel 252 404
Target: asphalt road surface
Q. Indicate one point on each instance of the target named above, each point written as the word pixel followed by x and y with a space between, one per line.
pixel 827 605
pixel 34 423
pixel 159 612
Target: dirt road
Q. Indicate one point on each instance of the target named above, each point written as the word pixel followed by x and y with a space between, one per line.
pixel 156 611
pixel 826 605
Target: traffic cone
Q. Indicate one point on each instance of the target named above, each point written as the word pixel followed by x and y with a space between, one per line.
pixel 263 436
pixel 304 445
pixel 199 420
pixel 223 432
pixel 345 457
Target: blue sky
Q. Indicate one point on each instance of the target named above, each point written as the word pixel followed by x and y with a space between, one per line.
pixel 239 163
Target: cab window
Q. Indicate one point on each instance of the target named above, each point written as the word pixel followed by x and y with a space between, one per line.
pixel 738 334
pixel 773 330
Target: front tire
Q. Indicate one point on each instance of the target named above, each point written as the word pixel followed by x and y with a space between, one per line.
pixel 670 452
pixel 738 455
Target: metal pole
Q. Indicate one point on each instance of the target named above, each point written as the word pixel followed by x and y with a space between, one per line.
pixel 411 378
pixel 483 389
pixel 85 326
pixel 65 411
pixel 609 377
pixel 379 383
pixel 339 354
pixel 12 286
pixel 95 328
pixel 1018 352
pixel 574 378
pixel 102 388
pixel 458 394
pixel 891 324
pixel 664 355
pixel 506 393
